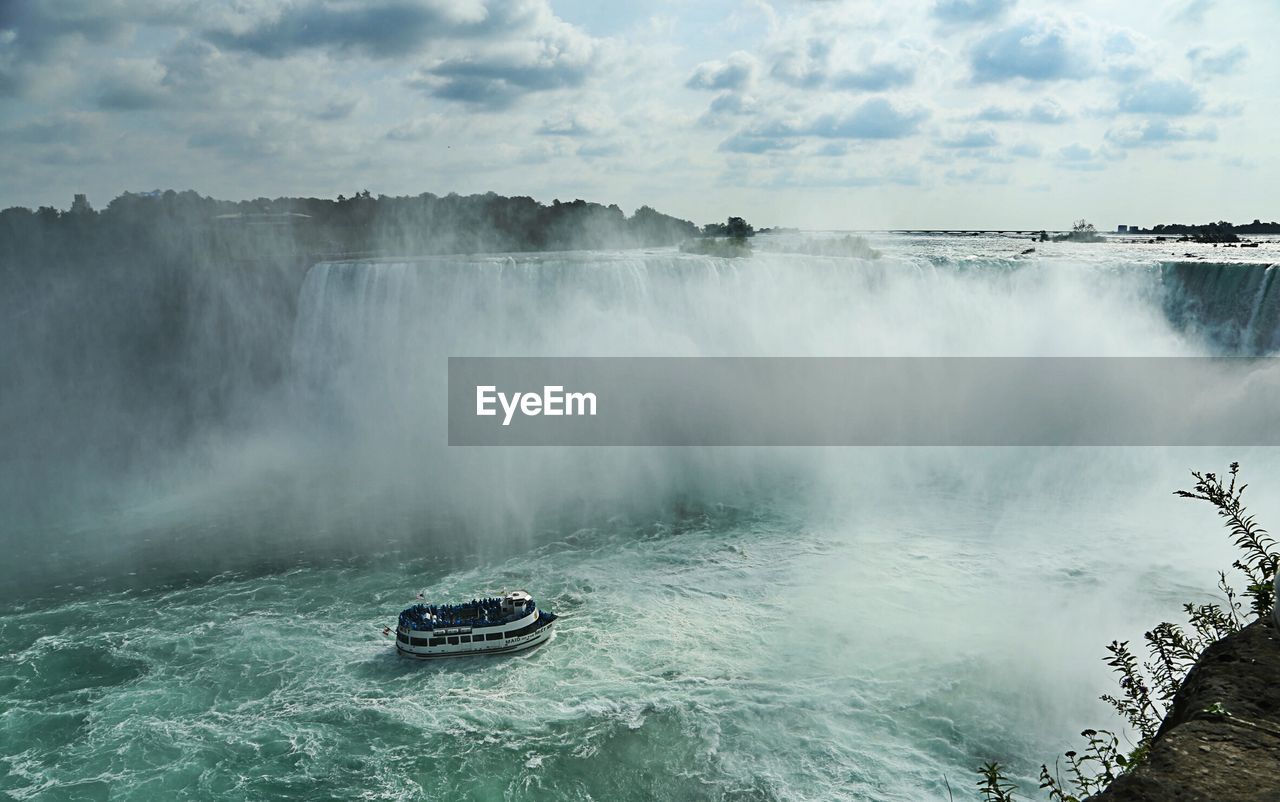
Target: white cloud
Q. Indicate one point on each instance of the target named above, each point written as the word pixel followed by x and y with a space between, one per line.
pixel 735 72
pixel 876 77
pixel 576 123
pixel 1167 96
pixel 1079 157
pixel 379 29
pixel 1044 48
pixel 974 138
pixel 1046 111
pixel 1158 133
pixel 804 66
pixel 131 85
pixel 1217 60
pixel 498 75
pixel 1192 11
pixel 970 11
pixel 61 128
pixel 415 130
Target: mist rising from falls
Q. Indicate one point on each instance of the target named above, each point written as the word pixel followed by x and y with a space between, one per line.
pixel 673 304
pixel 372 341
pixel 348 454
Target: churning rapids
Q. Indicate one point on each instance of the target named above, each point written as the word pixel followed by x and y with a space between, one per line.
pixel 798 624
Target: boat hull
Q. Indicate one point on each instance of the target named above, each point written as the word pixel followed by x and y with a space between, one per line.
pixel 535 638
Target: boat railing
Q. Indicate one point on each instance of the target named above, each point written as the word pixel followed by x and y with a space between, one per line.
pixel 479 613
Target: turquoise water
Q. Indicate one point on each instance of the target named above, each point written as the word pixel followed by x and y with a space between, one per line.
pixel 282 685
pixel 725 654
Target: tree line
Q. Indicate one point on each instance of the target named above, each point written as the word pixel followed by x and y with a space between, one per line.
pixel 405 225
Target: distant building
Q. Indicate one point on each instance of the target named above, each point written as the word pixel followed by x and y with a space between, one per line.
pixel 1122 229
pixel 81 205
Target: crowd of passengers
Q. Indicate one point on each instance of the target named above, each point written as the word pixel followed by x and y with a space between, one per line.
pixel 479 612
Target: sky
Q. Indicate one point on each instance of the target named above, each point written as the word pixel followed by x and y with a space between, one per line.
pixel 821 114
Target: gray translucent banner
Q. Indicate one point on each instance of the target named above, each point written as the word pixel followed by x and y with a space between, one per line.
pixel 864 401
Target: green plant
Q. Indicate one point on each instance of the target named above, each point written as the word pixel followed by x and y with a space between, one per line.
pixel 1090 772
pixel 995 787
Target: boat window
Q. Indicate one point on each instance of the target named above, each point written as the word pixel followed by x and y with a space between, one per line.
pixel 466 638
pixel 418 641
pixel 453 640
pixel 436 642
pixel 403 638
pixel 494 636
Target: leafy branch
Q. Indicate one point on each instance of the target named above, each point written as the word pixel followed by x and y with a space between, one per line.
pixel 1260 555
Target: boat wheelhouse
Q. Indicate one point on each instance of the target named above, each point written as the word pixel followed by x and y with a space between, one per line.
pixel 491 625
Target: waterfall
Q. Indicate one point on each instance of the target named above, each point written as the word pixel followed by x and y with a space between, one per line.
pixel 1236 307
pixel 377 334
pixel 382 314
pixel 352 448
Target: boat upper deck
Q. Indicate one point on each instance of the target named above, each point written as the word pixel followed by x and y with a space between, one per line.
pixel 489 611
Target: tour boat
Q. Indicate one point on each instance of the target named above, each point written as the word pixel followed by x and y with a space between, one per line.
pixel 502 624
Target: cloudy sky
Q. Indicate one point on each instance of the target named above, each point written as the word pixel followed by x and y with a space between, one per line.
pixel 821 114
